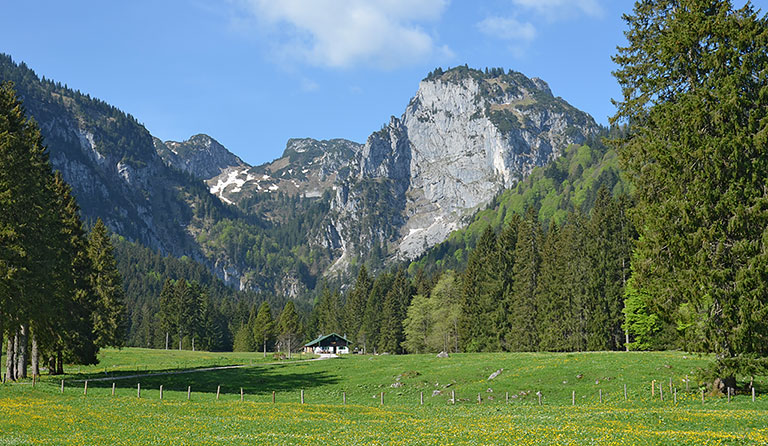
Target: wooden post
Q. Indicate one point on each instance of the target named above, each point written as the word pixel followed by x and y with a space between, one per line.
pixel 302 396
pixel 382 398
pixel 687 389
pixel 218 389
pixel 62 386
pixel 702 396
pixel 573 398
pixel 241 394
pixel 138 390
pixel 273 397
pixel 728 390
pixel 753 394
pixel 479 400
pixel 670 385
pixel 539 394
pixel 344 398
pixel 601 395
pixel 113 388
pixel 506 397
pixel 161 391
pixel 653 388
pixel 85 388
pixel 453 397
pixel 189 392
pixel 675 397
pixel 661 392
pixel 625 392
pixel 421 397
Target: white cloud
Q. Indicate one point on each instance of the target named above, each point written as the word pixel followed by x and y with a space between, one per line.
pixel 507 28
pixel 344 33
pixel 562 9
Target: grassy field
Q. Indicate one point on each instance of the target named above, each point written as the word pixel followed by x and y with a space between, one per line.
pixel 43 415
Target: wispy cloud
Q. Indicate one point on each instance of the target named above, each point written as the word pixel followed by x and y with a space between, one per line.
pixel 507 28
pixel 348 33
pixel 561 9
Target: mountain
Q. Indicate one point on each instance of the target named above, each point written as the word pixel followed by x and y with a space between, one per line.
pixel 200 155
pixel 323 206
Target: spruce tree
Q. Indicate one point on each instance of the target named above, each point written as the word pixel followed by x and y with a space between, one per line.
pixel 523 333
pixel 263 327
pixel 482 296
pixel 694 76
pixel 289 328
pixel 109 315
pixel 354 308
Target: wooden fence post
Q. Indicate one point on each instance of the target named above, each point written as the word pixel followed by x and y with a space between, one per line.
pixel 138 390
pixel 62 386
pixel 218 389
pixel 479 400
pixel 539 395
pixel 113 388
pixel 506 397
pixel 686 384
pixel 85 388
pixel 728 390
pixel 273 397
pixel 421 397
pixel 753 394
pixel 670 385
pixel 573 398
pixel 601 396
pixel 302 396
pixel 161 391
pixel 653 388
pixel 702 396
pixel 661 392
pixel 382 398
pixel 241 394
pixel 675 395
pixel 453 397
pixel 189 393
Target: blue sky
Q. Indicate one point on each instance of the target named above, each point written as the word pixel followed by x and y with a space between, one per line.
pixel 253 73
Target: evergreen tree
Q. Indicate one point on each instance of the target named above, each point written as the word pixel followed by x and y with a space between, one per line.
pixel 694 78
pixel 482 296
pixel 289 328
pixel 109 315
pixel 263 327
pixel 523 335
pixel 394 311
pixel 354 309
pixel 372 320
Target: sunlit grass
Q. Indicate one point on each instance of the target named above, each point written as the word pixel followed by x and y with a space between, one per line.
pixel 43 415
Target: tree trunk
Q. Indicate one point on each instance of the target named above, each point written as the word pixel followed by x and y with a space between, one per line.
pixel 51 365
pixel 193 344
pixel 265 348
pixel 21 353
pixel 35 358
pixel 59 363
pixel 167 338
pixel 180 339
pixel 10 360
pixel 289 348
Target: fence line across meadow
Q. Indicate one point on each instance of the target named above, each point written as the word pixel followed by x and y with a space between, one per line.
pixel 654 388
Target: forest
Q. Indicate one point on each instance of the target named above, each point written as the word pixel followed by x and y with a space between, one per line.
pixel 652 236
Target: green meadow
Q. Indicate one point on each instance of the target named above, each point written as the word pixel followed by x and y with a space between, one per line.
pixel 509 411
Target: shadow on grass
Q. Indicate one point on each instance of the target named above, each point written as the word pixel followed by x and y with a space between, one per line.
pixel 253 380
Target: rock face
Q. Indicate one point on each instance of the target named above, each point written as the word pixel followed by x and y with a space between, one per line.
pixel 463 138
pixel 200 155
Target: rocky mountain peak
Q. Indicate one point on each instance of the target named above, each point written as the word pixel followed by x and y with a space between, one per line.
pixel 200 155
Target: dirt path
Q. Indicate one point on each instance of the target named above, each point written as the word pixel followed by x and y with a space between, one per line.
pixel 205 369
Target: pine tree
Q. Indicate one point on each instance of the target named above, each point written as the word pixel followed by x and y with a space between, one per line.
pixel 694 78
pixel 354 309
pixel 289 328
pixel 263 327
pixel 394 311
pixel 482 296
pixel 523 334
pixel 109 315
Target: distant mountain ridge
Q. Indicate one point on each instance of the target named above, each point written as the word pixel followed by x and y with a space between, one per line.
pixel 323 206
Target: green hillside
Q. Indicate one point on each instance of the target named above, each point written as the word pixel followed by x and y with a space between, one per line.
pixel 569 183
